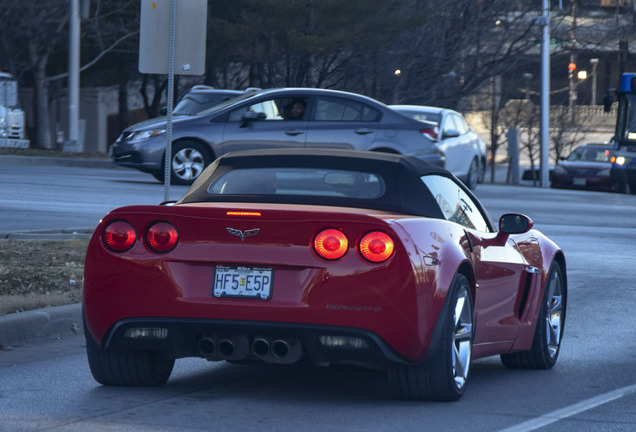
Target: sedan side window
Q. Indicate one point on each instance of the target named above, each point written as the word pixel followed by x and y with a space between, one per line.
pixel 274 109
pixel 337 109
pixel 455 204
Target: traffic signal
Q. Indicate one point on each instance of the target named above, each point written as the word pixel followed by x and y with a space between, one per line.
pixel 571 68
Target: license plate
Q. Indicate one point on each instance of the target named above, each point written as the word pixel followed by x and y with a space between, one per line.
pixel 578 181
pixel 243 282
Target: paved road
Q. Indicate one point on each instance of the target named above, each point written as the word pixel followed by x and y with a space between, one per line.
pixel 45 197
pixel 593 387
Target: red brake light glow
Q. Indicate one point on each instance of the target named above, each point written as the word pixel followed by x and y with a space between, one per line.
pixel 430 133
pixel 376 247
pixel 119 236
pixel 243 213
pixel 162 237
pixel 331 244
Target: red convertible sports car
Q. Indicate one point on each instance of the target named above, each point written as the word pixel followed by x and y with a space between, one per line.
pixel 327 256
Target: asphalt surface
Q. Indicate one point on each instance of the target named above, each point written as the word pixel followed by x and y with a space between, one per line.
pixel 24 328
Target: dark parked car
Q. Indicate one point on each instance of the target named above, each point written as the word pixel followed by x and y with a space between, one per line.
pixel 587 167
pixel 283 118
pixel 329 256
pixel 465 152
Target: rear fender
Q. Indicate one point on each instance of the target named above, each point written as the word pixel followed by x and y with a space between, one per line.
pixel 436 261
pixel 539 252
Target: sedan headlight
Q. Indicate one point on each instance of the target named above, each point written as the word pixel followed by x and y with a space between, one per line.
pixel 141 135
pixel 621 160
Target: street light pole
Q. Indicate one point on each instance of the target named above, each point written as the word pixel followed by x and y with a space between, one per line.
pixel 544 21
pixel 594 62
pixel 72 143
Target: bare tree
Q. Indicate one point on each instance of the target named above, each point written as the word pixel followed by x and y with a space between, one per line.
pixel 35 39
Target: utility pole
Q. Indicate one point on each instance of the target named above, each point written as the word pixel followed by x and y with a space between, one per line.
pixel 544 21
pixel 572 93
pixel 594 63
pixel 73 143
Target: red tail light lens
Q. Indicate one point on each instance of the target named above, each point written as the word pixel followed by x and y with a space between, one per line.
pixel 376 247
pixel 430 133
pixel 331 244
pixel 162 237
pixel 119 236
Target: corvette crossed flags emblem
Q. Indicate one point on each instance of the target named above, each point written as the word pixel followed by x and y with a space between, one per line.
pixel 243 234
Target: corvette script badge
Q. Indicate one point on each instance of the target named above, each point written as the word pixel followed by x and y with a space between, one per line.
pixel 241 234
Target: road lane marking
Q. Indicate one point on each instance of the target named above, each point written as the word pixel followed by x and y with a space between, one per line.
pixel 571 410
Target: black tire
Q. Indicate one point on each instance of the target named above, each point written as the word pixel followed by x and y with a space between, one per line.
pixel 482 172
pixel 187 161
pixel 547 336
pixel 444 378
pixel 126 369
pixel 159 175
pixel 472 178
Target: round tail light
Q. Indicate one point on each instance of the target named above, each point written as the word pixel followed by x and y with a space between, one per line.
pixel 162 237
pixel 119 236
pixel 376 247
pixel 331 244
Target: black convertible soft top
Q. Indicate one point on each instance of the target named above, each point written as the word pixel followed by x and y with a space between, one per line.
pixel 404 193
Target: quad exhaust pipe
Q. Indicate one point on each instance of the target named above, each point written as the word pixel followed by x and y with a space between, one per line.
pixel 269 350
pixel 279 351
pixel 230 348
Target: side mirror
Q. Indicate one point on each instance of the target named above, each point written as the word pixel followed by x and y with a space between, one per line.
pixel 451 133
pixel 249 116
pixel 512 223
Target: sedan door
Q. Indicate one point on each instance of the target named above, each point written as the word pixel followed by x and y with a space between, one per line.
pixel 270 125
pixel 342 123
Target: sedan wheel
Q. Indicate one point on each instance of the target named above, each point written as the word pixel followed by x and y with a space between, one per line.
pixel 473 175
pixel 547 336
pixel 444 377
pixel 189 159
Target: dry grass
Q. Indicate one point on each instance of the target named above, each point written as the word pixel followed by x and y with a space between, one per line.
pixel 40 273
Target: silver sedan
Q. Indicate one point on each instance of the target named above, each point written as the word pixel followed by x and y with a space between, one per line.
pixel 273 118
pixel 465 151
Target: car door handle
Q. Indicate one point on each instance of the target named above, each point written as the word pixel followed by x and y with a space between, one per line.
pixel 294 132
pixel 364 131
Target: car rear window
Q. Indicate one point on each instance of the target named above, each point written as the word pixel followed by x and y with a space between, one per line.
pixel 299 182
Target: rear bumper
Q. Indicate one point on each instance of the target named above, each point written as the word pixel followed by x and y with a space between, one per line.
pixel 248 340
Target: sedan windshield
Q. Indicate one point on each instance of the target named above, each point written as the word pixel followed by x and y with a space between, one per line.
pixel 590 154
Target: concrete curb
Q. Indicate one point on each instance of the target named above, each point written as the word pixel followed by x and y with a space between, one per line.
pixel 42 324
pixel 57 161
pixel 64 234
